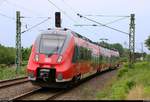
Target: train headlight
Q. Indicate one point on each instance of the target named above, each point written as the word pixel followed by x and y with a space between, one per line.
pixel 36 58
pixel 59 76
pixel 59 59
pixel 31 74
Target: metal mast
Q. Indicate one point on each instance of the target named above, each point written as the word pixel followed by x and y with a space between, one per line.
pixel 18 41
pixel 132 40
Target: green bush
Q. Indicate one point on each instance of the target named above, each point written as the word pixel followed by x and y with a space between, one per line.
pixel 122 72
pixel 24 63
pixel 130 84
pixel 118 91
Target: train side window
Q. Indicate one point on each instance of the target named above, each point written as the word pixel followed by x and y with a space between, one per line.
pixel 76 54
pixel 89 54
pixel 100 58
pixel 81 53
pixel 84 53
pixel 97 60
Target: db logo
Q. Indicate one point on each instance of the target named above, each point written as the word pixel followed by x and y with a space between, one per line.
pixel 47 59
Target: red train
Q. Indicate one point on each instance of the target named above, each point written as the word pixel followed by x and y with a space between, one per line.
pixel 61 56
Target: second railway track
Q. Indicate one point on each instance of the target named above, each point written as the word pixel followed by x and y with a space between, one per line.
pixel 12 82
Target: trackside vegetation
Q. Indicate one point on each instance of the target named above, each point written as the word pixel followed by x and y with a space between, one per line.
pixel 7 62
pixel 10 72
pixel 129 84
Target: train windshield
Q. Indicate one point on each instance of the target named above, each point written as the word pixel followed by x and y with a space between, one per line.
pixel 50 44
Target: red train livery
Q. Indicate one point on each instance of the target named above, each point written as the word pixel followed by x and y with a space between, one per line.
pixel 61 56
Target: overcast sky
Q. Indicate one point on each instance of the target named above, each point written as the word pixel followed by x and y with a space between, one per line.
pixel 36 11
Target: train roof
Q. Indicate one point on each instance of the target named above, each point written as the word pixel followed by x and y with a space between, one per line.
pixel 62 30
pixel 83 37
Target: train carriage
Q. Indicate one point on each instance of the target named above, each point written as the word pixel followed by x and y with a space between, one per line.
pixel 61 56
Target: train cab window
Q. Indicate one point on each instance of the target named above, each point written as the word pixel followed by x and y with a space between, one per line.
pixel 51 43
pixel 37 41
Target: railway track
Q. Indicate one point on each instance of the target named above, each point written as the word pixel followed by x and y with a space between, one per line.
pixel 39 94
pixel 25 94
pixel 12 82
pixel 49 94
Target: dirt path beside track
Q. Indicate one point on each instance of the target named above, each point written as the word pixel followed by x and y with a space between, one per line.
pixel 88 90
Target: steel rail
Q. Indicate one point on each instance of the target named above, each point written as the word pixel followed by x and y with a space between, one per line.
pixel 11 82
pixel 25 94
pixel 1 81
pixel 56 95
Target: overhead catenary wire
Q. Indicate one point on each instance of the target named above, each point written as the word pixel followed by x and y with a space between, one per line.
pixel 102 24
pixel 12 18
pixel 36 25
pixel 6 16
pixel 69 6
pixel 75 12
pixel 136 47
pixel 85 25
pixel 61 11
pixel 108 15
pixel 55 6
pixel 116 20
pixel 123 17
pixel 105 25
pixel 34 17
pixel 21 7
pixel 101 16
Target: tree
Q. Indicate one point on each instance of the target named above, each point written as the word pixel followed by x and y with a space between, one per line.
pixel 7 55
pixel 26 53
pixel 147 42
pixel 104 44
pixel 118 47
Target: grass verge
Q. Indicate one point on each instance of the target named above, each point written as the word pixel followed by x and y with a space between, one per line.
pixel 10 72
pixel 130 83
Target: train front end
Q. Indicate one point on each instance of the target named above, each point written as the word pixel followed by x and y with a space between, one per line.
pixel 50 59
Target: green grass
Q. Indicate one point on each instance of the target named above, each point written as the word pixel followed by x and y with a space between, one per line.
pixel 126 81
pixel 10 72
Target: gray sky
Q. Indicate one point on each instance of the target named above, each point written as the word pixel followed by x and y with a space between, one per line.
pixel 32 9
